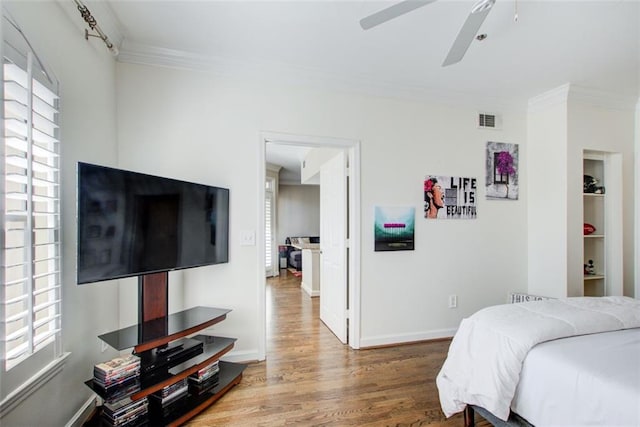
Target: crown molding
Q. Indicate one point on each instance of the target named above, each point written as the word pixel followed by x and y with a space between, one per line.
pixel 273 168
pixel 570 93
pixel 600 98
pixel 551 98
pixel 279 73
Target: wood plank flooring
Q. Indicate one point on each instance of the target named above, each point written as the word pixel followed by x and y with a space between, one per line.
pixel 311 379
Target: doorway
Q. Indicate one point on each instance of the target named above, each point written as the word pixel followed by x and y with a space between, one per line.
pixel 351 148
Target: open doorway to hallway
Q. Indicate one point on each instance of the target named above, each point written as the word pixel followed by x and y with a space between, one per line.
pixel 315 169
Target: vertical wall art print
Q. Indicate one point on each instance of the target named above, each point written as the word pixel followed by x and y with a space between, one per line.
pixel 502 171
pixel 448 197
pixel 394 228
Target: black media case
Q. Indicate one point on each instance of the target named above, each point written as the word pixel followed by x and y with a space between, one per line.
pixel 162 342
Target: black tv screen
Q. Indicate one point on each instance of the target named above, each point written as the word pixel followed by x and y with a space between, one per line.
pixel 131 224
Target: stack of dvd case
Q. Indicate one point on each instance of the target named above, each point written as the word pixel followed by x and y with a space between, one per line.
pixel 122 391
pixel 118 372
pixel 171 392
pixel 204 379
pixel 171 397
pixel 126 412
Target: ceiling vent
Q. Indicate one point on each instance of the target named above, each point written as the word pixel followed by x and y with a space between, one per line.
pixel 489 121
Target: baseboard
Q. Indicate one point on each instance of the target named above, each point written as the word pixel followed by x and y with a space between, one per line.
pixel 384 340
pixel 83 413
pixel 309 291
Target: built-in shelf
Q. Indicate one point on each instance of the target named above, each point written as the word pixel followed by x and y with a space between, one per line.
pixel 594 213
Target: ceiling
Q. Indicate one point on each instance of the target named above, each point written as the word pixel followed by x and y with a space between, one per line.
pixel 595 44
pixel 289 158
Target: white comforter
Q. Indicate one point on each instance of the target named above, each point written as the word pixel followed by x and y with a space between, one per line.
pixel 486 355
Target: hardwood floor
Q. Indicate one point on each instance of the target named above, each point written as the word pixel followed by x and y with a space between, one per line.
pixel 311 379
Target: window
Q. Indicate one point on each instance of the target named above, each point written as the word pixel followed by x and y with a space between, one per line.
pixel 269 226
pixel 30 295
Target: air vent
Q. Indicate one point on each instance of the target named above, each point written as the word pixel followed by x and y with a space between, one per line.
pixel 489 121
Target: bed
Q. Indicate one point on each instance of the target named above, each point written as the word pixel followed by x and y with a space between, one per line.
pixel 572 361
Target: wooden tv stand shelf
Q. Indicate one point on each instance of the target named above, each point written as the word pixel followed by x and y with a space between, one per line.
pixel 146 337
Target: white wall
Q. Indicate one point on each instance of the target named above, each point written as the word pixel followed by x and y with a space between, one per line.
pixel 637 202
pixel 315 158
pixel 562 123
pixel 298 211
pixel 596 125
pixel 547 194
pixel 199 126
pixel 86 72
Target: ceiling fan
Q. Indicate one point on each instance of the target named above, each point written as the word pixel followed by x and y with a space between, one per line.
pixel 467 33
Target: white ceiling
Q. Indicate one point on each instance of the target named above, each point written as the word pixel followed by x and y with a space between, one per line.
pixel 595 44
pixel 289 158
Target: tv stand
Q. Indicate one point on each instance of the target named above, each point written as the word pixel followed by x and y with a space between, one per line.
pixel 167 356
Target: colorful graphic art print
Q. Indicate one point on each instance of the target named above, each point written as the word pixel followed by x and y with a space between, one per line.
pixel 502 171
pixel 448 197
pixel 394 228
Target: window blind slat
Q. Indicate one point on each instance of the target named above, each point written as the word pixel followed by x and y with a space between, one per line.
pixel 46 305
pixel 17 299
pixel 22 162
pixel 45 290
pixel 36 182
pixel 18 316
pixel 17 352
pixel 14 91
pixel 34 197
pixel 17 334
pixel 48 273
pixel 42 338
pixel 22 145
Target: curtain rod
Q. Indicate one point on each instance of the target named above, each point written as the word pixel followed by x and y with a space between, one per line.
pixel 93 24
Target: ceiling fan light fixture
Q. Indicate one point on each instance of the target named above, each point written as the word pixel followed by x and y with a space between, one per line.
pixel 482 5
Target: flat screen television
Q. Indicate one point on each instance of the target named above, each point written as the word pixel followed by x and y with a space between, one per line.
pixel 132 224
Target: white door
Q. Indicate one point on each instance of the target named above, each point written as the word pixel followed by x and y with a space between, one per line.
pixel 333 240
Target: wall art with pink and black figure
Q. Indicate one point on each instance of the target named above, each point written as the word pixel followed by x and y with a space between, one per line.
pixel 449 197
pixel 502 171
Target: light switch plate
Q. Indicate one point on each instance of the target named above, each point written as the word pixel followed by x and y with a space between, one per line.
pixel 247 238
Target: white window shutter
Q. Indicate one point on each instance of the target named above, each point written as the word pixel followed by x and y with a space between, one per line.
pixel 31 292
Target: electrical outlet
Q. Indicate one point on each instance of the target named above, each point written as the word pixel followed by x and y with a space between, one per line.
pixel 453 301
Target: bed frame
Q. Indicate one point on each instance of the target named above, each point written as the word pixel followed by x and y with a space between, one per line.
pixel 514 419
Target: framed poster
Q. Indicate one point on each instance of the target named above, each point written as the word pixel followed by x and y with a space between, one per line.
pixel 449 197
pixel 502 171
pixel 394 228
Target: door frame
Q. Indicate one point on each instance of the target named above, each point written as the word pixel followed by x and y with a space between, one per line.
pixel 352 149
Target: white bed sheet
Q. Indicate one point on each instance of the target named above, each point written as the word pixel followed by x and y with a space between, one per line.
pixel 583 380
pixel 486 354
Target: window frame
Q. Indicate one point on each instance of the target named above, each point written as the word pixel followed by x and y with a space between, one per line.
pixel 43 357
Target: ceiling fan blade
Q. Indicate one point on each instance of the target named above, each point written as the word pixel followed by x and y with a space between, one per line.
pixel 391 12
pixel 467 33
